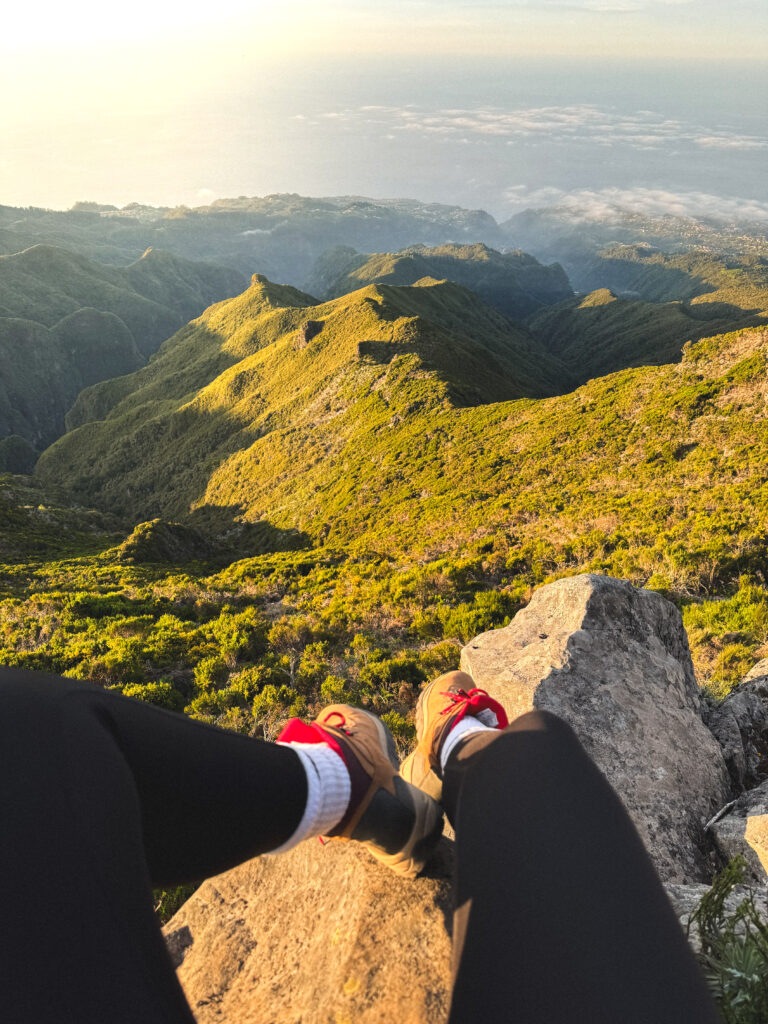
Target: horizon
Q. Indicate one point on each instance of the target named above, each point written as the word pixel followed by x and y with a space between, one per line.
pixel 175 107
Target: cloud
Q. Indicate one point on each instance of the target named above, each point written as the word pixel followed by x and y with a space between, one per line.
pixel 584 205
pixel 731 142
pixel 644 129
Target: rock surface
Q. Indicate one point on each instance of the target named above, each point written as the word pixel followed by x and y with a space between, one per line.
pixel 614 662
pixel 320 934
pixel 743 830
pixel 740 725
pixel 685 899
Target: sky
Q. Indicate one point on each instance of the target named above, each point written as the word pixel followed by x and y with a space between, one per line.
pixel 478 103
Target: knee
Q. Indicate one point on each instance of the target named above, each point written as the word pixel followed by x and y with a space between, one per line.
pixel 546 723
pixel 31 697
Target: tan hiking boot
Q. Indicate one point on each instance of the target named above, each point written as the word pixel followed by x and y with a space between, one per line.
pixel 397 822
pixel 442 703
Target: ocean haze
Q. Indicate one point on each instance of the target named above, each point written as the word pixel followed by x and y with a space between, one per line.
pixel 499 134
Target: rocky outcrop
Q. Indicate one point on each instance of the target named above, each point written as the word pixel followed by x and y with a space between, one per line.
pixel 614 662
pixel 685 900
pixel 319 934
pixel 743 831
pixel 740 725
pixel 325 933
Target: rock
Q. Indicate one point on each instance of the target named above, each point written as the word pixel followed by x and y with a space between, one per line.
pixel 178 942
pixel 306 333
pixel 614 662
pixel 319 934
pixel 743 830
pixel 740 725
pixel 685 900
pixel 759 671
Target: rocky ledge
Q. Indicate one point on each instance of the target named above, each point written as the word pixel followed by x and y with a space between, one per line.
pixel 324 933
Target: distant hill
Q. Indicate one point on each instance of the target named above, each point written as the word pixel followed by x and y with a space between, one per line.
pixel 153 296
pixel 514 283
pixel 703 279
pixel 270 384
pixel 278 235
pixel 574 234
pixel 44 369
pixel 67 322
pixel 600 333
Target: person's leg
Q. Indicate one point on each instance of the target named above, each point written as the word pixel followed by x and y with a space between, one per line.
pixel 100 798
pixel 561 918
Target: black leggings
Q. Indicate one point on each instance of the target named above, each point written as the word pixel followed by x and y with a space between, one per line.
pixel 560 915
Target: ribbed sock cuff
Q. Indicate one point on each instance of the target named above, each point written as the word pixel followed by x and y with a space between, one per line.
pixel 479 723
pixel 328 792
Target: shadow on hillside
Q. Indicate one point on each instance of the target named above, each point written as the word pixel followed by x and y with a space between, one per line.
pixel 723 311
pixel 652 282
pixel 231 536
pixel 212 534
pixel 595 340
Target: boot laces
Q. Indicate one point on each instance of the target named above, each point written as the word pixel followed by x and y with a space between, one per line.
pixel 342 727
pixel 473 701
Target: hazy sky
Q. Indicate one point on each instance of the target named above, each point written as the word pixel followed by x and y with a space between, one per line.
pixel 170 102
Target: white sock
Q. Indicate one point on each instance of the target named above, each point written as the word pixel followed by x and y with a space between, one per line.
pixel 484 721
pixel 328 792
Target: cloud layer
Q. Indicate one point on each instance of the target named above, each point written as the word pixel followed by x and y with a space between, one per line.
pixel 583 205
pixel 595 125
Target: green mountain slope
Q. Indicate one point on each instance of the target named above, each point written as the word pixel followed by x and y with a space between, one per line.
pixel 514 283
pixel 405 419
pixel 42 370
pixel 274 372
pixel 704 280
pixel 67 322
pixel 600 334
pixel 153 296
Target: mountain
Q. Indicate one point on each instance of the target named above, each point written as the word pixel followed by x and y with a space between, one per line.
pixel 417 418
pixel 708 282
pixel 272 384
pixel 514 283
pixel 277 235
pixel 600 333
pixel 573 234
pixel 153 296
pixel 43 370
pixel 67 322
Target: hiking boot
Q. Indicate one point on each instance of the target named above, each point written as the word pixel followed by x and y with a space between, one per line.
pixel 442 703
pixel 397 822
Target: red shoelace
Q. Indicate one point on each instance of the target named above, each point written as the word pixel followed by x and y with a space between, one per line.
pixel 474 701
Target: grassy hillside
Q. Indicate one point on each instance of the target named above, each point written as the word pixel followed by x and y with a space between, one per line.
pixel 43 370
pixel 514 283
pixel 271 376
pixel 710 285
pixel 600 333
pixel 424 531
pixel 67 322
pixel 153 296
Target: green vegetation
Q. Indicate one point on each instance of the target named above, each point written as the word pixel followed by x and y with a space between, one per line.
pixel 734 949
pixel 324 502
pixel 67 322
pixel 514 283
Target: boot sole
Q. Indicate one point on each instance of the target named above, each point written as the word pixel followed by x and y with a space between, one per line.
pixel 428 824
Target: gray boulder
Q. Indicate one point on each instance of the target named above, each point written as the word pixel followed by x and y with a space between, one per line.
pixel 614 662
pixel 685 900
pixel 740 725
pixel 743 830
